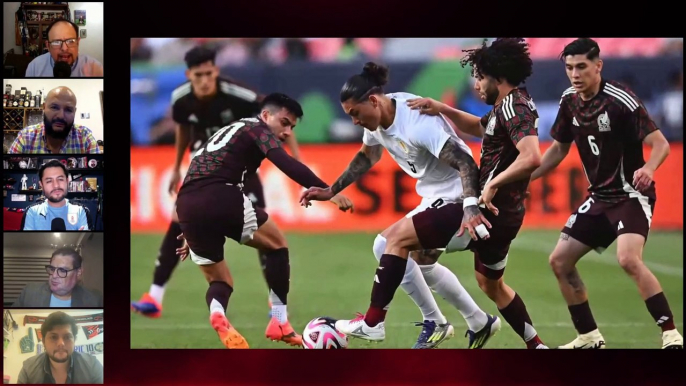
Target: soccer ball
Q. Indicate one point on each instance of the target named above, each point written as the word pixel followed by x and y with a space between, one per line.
pixel 320 333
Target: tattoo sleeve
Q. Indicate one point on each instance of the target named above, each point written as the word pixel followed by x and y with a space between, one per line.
pixel 363 161
pixel 454 156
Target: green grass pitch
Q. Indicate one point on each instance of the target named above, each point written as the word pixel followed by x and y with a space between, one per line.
pixel 331 275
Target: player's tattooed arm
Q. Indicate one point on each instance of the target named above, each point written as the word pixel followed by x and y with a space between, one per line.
pixel 454 156
pixel 363 161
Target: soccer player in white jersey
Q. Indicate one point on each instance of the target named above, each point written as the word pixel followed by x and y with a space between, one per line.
pixel 447 176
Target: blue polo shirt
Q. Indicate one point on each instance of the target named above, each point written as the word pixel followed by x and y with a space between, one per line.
pixel 39 216
pixel 41 66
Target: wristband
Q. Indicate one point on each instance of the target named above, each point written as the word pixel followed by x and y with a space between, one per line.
pixel 470 201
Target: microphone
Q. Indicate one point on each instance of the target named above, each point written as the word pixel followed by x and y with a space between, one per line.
pixel 61 70
pixel 58 225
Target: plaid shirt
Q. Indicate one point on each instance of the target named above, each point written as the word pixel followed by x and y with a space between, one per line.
pixel 31 140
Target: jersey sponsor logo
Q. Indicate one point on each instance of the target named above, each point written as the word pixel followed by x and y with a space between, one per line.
pixel 491 125
pixel 604 122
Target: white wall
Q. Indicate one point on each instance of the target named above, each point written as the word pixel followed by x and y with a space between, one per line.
pixel 14 358
pixel 91 45
pixel 87 93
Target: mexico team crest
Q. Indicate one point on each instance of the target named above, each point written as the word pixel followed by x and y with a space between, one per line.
pixel 571 221
pixel 72 218
pixel 604 122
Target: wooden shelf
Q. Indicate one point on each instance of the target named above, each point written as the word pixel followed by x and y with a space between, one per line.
pixel 35 170
pixel 22 108
pixel 51 7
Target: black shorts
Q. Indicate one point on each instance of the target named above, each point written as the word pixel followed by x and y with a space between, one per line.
pixel 252 187
pixel 490 256
pixel 208 215
pixel 598 223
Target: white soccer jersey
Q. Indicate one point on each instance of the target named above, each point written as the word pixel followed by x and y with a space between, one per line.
pixel 414 141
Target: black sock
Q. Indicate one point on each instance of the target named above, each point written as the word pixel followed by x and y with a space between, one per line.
pixel 167 257
pixel 582 317
pixel 219 291
pixel 278 273
pixel 659 309
pixel 262 256
pixel 388 277
pixel 516 315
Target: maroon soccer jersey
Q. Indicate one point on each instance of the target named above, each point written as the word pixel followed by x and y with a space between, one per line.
pixel 232 102
pixel 232 152
pixel 507 124
pixel 608 131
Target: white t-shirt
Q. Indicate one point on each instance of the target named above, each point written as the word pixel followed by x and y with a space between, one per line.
pixel 414 141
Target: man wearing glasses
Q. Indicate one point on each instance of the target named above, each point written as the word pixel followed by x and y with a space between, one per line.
pixel 62 289
pixel 63 46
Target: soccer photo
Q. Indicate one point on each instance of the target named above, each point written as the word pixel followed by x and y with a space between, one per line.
pixel 406 193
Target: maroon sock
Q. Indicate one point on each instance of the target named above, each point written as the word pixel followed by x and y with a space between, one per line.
pixel 659 309
pixel 219 291
pixel 516 315
pixel 388 277
pixel 167 258
pixel 277 271
pixel 582 317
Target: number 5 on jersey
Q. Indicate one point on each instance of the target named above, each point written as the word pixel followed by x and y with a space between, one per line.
pixel 221 138
pixel 412 167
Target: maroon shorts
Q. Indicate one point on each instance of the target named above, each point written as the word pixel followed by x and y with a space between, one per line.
pixel 490 256
pixel 437 224
pixel 252 187
pixel 598 223
pixel 210 214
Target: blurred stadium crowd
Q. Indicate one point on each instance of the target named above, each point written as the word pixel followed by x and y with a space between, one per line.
pixel 664 99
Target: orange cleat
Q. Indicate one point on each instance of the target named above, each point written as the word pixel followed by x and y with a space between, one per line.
pixel 227 334
pixel 147 306
pixel 283 332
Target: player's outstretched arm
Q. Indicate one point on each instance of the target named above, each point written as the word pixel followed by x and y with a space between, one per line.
pixel 643 177
pixel 294 169
pixel 551 158
pixel 361 163
pixel 473 220
pixel 292 144
pixel 465 122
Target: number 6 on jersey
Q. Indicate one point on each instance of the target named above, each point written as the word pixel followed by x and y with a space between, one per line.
pixel 594 147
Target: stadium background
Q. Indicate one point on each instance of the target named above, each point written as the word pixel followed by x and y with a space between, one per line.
pixel 331 258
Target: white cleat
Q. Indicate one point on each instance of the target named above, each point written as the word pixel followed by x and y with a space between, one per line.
pixel 541 346
pixel 671 339
pixel 590 340
pixel 359 329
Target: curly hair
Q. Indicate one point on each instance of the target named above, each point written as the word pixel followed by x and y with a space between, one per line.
pixel 505 58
